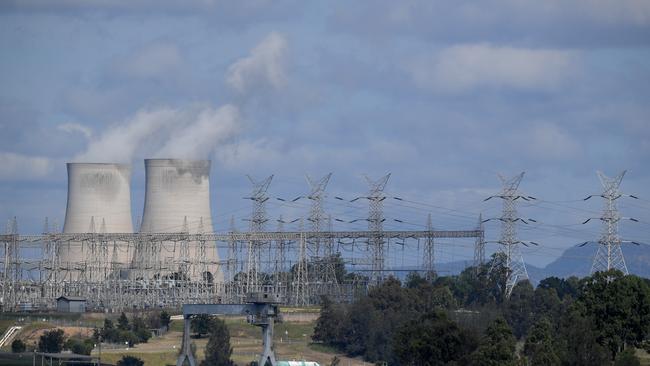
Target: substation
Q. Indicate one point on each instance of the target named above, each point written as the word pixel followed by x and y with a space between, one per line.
pixel 172 257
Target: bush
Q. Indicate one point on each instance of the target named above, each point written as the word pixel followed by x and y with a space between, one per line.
pixel 130 361
pixel 80 347
pixel 18 346
pixel 51 341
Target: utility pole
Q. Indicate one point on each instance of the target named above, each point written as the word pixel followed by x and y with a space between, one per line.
pixel 510 248
pixel 609 254
pixel 258 221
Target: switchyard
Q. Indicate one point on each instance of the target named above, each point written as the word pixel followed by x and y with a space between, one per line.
pixel 172 256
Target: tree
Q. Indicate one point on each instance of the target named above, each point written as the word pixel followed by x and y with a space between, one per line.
pixel 497 347
pixel 165 319
pixel 201 324
pixel 518 309
pixel 218 350
pixel 18 346
pixel 123 322
pixel 620 308
pixel 328 327
pixel 130 361
pixel 577 340
pixel 539 345
pixel 432 339
pixel 51 341
pixel 78 346
pixel 627 358
pixel 140 329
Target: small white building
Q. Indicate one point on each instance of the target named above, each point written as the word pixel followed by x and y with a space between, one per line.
pixel 71 304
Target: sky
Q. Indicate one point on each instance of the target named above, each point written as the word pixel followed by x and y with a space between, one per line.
pixel 444 95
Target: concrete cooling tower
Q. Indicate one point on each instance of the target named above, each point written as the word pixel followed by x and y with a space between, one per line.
pixel 176 190
pixel 100 193
pixel 99 200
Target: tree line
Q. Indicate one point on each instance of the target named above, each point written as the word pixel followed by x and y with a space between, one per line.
pixel 466 320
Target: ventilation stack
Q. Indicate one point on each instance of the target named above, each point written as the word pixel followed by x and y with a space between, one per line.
pixel 177 198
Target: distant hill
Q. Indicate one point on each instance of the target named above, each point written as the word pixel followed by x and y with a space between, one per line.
pixel 575 261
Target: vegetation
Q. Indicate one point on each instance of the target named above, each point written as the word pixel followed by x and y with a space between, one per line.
pixel 467 319
pixel 18 346
pixel 218 350
pixel 133 332
pixel 130 361
pixel 51 341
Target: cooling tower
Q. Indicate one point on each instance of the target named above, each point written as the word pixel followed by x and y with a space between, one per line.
pixel 99 200
pixel 177 190
pixel 100 193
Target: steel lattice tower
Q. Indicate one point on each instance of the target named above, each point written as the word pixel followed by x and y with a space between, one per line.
pixel 376 220
pixel 609 254
pixel 509 242
pixel 300 286
pixel 429 252
pixel 479 245
pixel 258 221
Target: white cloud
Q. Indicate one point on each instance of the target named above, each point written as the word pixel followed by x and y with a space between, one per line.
pixel 76 128
pixel 548 141
pixel 464 68
pixel 20 167
pixel 156 60
pixel 265 67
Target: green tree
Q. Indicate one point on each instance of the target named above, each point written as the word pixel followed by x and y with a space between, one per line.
pixel 328 326
pixel 432 339
pixel 18 346
pixel 518 309
pixel 218 350
pixel 51 341
pixel 165 319
pixel 140 329
pixel 130 361
pixel 539 347
pixel 200 324
pixel 123 322
pixel 620 308
pixel 627 358
pixel 577 340
pixel 79 346
pixel 497 348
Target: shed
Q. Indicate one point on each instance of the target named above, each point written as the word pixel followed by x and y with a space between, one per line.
pixel 71 304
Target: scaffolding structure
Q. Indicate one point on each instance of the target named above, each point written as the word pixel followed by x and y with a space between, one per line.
pixel 152 280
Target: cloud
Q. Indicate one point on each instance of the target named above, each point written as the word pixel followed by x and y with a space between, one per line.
pixel 548 141
pixel 157 60
pixel 530 22
pixel 265 67
pixel 463 68
pixel 76 128
pixel 17 167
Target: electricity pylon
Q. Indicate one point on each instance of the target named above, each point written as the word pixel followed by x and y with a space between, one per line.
pixel 479 246
pixel 516 268
pixel 258 220
pixel 609 254
pixel 376 220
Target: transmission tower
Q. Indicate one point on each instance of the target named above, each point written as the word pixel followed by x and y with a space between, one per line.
pixel 376 220
pixel 258 220
pixel 479 245
pixel 609 254
pixel 515 265
pixel 301 274
pixel 429 252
